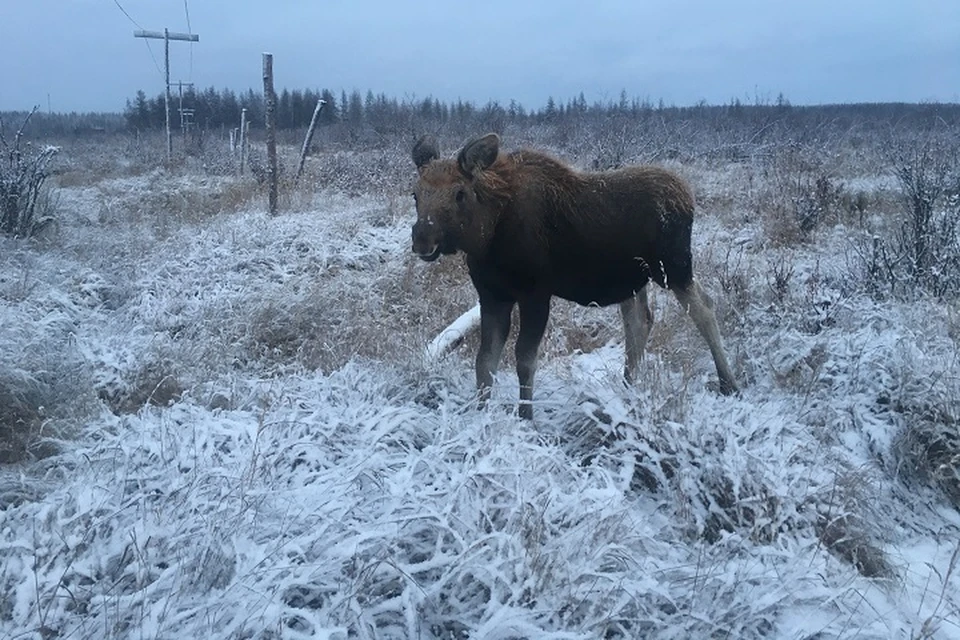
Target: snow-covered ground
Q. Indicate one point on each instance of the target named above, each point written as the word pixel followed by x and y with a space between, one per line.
pixel 246 441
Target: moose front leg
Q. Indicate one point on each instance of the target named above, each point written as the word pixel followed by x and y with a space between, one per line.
pixel 494 329
pixel 533 322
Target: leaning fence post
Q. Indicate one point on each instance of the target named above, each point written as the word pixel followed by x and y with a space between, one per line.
pixel 309 138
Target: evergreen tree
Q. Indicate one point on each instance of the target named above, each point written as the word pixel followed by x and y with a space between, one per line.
pixel 230 114
pixel 300 110
pixel 330 113
pixel 355 108
pixel 550 112
pixel 344 106
pixel 137 113
pixel 284 114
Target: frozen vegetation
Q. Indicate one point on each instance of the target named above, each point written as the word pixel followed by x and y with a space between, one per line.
pixel 221 424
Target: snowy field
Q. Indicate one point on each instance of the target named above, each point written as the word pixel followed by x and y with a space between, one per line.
pixel 237 435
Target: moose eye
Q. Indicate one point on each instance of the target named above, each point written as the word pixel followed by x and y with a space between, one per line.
pixel 461 195
pixel 414 194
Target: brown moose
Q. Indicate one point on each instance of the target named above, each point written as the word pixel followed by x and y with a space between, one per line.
pixel 533 228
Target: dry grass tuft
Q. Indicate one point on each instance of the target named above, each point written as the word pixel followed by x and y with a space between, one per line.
pixel 21 420
pixel 154 385
pixel 382 309
pixel 928 450
pixel 846 537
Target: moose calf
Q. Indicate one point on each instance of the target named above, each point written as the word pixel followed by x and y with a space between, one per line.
pixel 533 228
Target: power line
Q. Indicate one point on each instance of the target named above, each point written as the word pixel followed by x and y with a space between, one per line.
pixel 155 63
pixel 120 6
pixel 137 25
pixel 186 9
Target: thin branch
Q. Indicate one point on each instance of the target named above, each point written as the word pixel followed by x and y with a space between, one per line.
pixel 24 125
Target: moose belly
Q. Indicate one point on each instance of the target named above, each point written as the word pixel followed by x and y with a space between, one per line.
pixel 600 287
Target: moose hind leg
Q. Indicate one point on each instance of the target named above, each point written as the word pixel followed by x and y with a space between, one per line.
pixel 533 323
pixel 699 305
pixel 637 322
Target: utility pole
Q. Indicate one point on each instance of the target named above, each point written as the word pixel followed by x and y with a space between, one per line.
pixel 186 115
pixel 167 36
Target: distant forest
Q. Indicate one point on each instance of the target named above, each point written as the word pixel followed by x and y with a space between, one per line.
pixel 214 109
pixel 360 116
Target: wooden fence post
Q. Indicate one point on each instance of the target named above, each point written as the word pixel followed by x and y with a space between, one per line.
pixel 309 138
pixel 271 100
pixel 243 139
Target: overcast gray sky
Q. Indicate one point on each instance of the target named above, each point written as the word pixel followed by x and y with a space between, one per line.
pixel 82 53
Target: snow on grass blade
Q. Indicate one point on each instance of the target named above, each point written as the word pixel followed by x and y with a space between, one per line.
pixel 340 503
pixel 312 475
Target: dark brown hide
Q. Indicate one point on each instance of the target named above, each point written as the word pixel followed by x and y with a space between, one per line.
pixel 533 228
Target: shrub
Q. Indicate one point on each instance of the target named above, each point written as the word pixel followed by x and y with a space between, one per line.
pixel 920 249
pixel 23 171
pixel 799 196
pixel 20 421
pixel 927 450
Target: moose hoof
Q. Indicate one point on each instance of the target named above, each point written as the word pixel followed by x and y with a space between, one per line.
pixel 526 411
pixel 483 396
pixel 726 387
pixel 729 388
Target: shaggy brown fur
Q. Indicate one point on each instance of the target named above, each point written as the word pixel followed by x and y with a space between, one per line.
pixel 533 228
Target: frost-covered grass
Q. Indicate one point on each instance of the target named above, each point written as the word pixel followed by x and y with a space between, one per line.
pixel 226 427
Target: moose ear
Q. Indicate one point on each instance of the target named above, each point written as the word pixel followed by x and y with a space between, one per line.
pixel 425 151
pixel 479 154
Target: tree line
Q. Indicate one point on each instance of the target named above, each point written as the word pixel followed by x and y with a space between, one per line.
pixel 221 108
pixel 353 117
pixel 213 108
